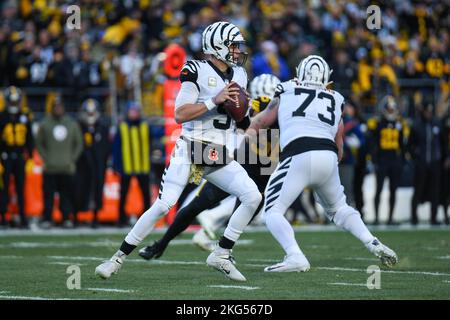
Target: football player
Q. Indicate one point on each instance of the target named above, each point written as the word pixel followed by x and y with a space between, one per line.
pixel 206 128
pixel 16 145
pixel 309 116
pixel 211 198
pixel 386 140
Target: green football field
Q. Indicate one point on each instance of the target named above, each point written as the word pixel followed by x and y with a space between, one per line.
pixel 35 267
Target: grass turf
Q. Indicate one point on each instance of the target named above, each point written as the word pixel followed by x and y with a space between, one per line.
pixel 35 266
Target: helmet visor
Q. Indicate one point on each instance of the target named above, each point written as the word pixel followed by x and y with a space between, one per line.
pixel 237 53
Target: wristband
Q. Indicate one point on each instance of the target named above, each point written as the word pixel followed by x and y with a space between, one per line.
pixel 210 104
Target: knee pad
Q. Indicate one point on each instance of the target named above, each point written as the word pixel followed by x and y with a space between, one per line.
pixel 342 214
pixel 251 198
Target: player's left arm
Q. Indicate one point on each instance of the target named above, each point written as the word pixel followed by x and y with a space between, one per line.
pixel 339 139
pixel 265 118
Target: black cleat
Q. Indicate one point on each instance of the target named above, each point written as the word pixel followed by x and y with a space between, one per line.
pixel 151 252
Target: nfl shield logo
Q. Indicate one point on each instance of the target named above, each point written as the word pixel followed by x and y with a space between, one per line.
pixel 213 155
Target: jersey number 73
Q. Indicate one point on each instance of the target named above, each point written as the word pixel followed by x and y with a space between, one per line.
pixel 311 94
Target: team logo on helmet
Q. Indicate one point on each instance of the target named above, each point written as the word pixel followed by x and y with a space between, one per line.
pixel 224 41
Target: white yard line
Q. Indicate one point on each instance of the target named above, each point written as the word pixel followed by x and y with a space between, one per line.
pixel 180 262
pixel 347 284
pixel 11 257
pixel 95 244
pixel 263 260
pixel 250 229
pixel 386 271
pixel 256 265
pixel 109 290
pixel 67 263
pixel 76 258
pixel 444 257
pixel 234 287
pixel 361 259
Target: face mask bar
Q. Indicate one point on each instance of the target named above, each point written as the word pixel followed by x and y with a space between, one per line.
pixel 242 55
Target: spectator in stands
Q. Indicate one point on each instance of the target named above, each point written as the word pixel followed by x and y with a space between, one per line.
pixel 16 147
pixel 131 156
pixel 91 165
pixel 60 143
pixel 425 148
pixel 268 61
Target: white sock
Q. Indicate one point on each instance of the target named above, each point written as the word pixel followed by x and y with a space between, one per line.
pixel 356 227
pixel 146 223
pixel 283 232
pixel 238 221
pixel 242 216
pixel 120 254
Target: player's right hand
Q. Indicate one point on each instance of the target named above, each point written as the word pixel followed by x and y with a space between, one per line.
pixel 227 93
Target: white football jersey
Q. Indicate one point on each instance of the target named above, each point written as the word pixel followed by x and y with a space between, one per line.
pixel 215 125
pixel 307 111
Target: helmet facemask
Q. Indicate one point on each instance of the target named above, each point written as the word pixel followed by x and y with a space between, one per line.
pixel 390 110
pixel 236 56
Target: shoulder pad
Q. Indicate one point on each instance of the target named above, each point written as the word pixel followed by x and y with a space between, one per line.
pixel 189 72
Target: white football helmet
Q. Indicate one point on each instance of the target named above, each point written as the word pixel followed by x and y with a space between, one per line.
pixel 314 70
pixel 264 85
pixel 217 39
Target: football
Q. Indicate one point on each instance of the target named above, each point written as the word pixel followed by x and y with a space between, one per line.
pixel 237 112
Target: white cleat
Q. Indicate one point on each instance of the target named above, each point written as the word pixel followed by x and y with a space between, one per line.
pixel 110 267
pixel 291 263
pixel 221 260
pixel 202 240
pixel 387 256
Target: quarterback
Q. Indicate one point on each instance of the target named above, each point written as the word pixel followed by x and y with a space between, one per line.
pixel 208 196
pixel 309 117
pixel 205 85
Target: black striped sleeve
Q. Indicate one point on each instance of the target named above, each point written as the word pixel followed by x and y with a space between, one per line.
pixel 189 72
pixel 278 91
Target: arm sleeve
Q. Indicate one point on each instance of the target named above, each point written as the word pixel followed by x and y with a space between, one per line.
pixel 278 90
pixel 188 94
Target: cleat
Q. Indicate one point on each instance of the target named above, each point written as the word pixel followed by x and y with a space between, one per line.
pixel 387 256
pixel 221 260
pixel 151 252
pixel 110 267
pixel 291 263
pixel 203 241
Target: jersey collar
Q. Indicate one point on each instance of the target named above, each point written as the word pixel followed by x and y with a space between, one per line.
pixel 228 76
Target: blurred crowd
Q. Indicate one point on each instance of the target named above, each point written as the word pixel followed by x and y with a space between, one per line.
pixel 38 49
pixel 403 66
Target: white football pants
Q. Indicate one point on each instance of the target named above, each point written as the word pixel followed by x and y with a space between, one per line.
pixel 319 171
pixel 231 178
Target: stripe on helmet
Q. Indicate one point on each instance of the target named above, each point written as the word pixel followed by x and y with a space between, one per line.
pixel 223 29
pixel 212 37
